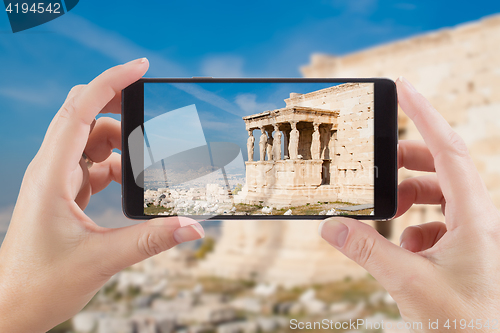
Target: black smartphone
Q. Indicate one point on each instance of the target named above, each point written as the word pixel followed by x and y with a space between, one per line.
pixel 295 148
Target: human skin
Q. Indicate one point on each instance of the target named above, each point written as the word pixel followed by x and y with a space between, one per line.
pixel 441 270
pixel 55 258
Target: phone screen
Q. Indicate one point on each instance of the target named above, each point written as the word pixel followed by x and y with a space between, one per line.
pixel 258 148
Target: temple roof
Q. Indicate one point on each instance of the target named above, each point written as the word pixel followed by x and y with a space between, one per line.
pixel 289 114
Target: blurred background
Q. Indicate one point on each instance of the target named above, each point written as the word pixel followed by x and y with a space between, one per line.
pixel 251 276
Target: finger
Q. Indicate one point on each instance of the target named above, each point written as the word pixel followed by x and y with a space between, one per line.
pixel 414 155
pixel 105 137
pixel 66 142
pixel 80 188
pixel 391 265
pixel 460 182
pixel 418 238
pixel 123 247
pixel 101 174
pixel 72 93
pixel 419 190
pixel 115 105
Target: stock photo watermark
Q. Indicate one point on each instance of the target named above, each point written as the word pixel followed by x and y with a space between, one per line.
pixel 28 14
pixel 365 324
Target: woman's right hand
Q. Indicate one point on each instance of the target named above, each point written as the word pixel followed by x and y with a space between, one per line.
pixel 442 271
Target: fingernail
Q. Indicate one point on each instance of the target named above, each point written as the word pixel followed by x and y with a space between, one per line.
pixel 138 61
pixel 407 84
pixel 189 233
pixel 334 232
pixel 405 246
pixel 185 221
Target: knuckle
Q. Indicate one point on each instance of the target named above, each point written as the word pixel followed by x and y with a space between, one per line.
pixel 32 168
pixel 68 109
pixel 151 243
pixel 361 250
pixel 456 144
pixel 75 90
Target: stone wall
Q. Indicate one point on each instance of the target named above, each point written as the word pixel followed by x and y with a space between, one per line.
pixel 458 70
pixel 351 146
pixel 343 166
pixel 287 253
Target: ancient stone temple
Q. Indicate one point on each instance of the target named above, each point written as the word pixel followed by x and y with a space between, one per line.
pixel 317 148
pixel 458 71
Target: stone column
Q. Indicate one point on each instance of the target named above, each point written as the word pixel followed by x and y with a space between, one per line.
pixel 269 147
pixel 277 143
pixel 262 144
pixel 250 145
pixel 293 148
pixel 316 143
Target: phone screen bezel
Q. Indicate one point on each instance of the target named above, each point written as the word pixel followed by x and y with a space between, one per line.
pixel 385 137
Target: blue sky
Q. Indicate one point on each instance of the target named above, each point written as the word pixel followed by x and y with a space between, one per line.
pixel 223 104
pixel 217 111
pixel 218 38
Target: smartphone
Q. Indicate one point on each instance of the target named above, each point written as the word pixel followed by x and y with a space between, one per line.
pixel 294 148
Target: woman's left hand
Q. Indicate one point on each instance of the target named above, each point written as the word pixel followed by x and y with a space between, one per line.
pixel 54 257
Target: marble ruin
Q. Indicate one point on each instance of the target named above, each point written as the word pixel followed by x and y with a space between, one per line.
pixel 458 71
pixel 327 138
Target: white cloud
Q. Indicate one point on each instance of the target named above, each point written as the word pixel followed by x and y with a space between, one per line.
pixel 121 49
pixel 44 96
pixel 223 66
pixel 112 44
pixel 209 97
pixel 248 103
pixel 363 7
pixel 350 30
pixel 405 6
pixel 214 125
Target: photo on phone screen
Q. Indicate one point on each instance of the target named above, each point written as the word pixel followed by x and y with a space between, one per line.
pixel 256 149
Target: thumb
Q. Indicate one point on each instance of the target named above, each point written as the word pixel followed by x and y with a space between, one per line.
pixel 388 263
pixel 129 245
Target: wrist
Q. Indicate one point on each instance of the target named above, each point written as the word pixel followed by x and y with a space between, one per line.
pixel 17 307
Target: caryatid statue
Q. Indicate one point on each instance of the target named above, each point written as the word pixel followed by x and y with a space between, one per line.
pixel 277 143
pixel 250 144
pixel 332 145
pixel 293 146
pixel 269 147
pixel 286 140
pixel 325 132
pixel 262 144
pixel 316 143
